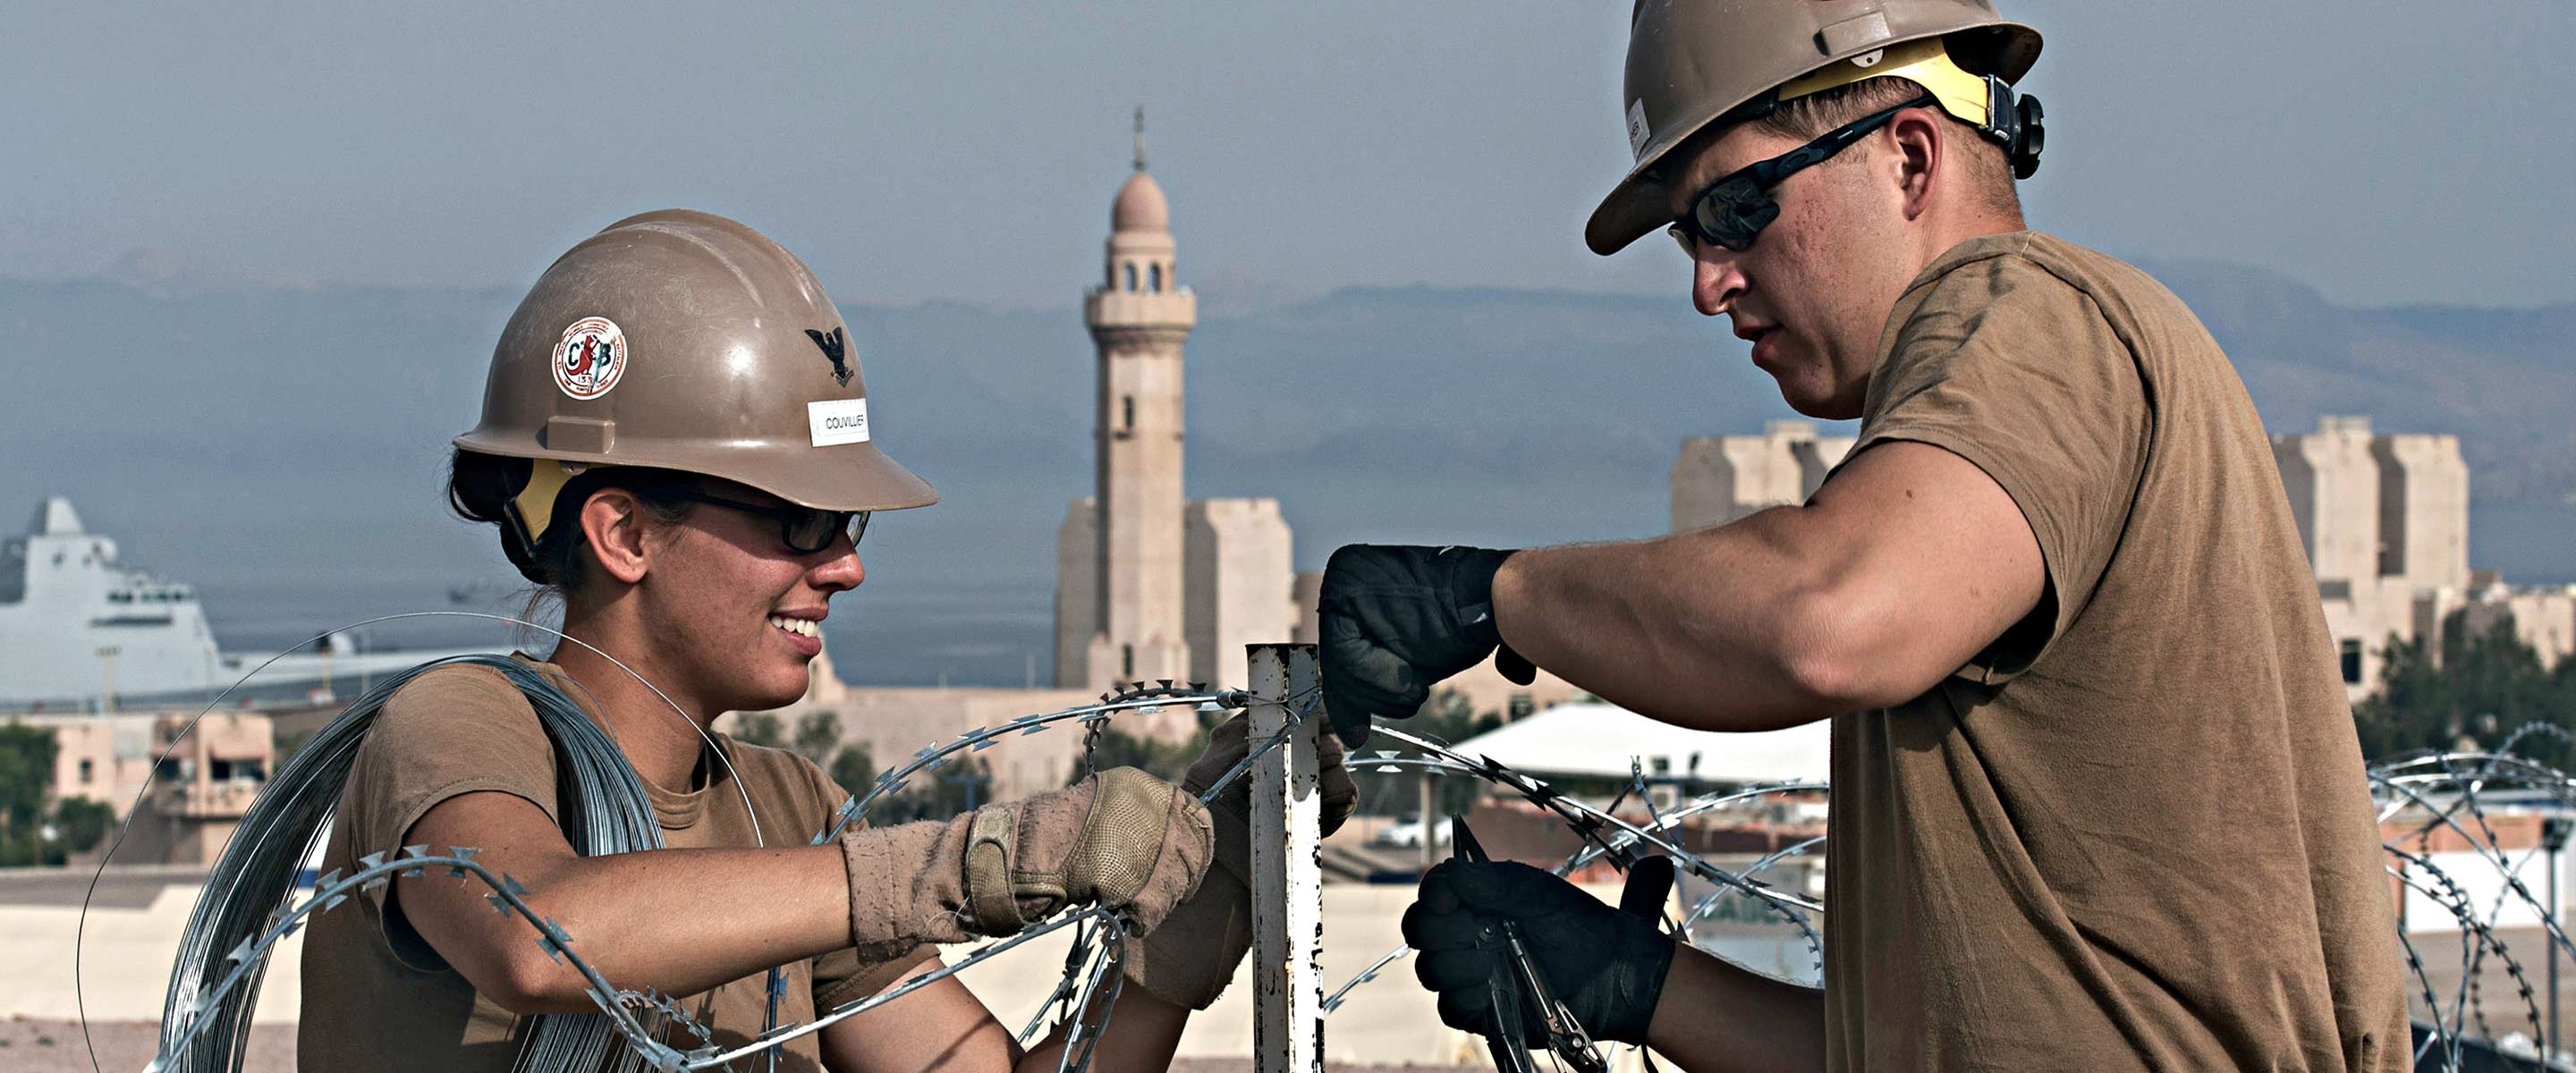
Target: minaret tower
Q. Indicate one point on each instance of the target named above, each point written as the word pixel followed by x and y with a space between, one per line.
pixel 1139 316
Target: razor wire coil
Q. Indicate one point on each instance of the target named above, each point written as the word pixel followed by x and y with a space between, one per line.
pixel 237 918
pixel 210 993
pixel 207 1011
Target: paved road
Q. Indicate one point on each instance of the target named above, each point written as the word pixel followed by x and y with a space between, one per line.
pixel 135 926
pixel 122 888
pixel 55 1047
pixel 2498 993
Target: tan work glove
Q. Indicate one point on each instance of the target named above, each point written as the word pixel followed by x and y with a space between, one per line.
pixel 1120 838
pixel 1190 958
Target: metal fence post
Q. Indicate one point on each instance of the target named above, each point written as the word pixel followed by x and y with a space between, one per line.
pixel 1287 870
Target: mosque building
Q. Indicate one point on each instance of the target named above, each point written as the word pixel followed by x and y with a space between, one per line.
pixel 1151 585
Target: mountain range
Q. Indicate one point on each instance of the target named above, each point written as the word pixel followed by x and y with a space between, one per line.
pixel 283 446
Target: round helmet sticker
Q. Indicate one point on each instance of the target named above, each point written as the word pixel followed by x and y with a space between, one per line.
pixel 590 357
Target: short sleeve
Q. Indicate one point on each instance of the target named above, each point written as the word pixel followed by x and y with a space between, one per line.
pixel 449 732
pixel 841 976
pixel 2016 370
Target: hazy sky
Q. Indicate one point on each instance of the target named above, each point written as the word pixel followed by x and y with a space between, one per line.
pixel 2386 152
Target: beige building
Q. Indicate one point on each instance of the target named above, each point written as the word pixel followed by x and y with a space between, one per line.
pixel 1150 585
pixel 99 757
pixel 2384 520
pixel 1241 580
pixel 1719 479
pixel 2545 618
pixel 205 786
pixel 896 722
pixel 2374 508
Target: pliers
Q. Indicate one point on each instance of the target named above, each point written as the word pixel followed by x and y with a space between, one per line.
pixel 1501 936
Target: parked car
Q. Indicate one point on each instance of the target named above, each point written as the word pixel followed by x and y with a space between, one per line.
pixel 1408 832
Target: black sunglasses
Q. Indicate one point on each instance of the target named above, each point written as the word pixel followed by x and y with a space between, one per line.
pixel 1732 211
pixel 805 530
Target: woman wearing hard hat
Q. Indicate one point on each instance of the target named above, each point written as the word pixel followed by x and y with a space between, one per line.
pixel 676 440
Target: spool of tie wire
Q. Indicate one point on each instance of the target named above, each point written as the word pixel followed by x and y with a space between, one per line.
pixel 606 811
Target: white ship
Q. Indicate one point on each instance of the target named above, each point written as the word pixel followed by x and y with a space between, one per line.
pixel 77 630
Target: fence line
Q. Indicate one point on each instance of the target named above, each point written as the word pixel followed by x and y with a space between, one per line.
pixel 2444 794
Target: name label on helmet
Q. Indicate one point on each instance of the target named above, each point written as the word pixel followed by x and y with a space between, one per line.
pixel 1638 133
pixel 837 421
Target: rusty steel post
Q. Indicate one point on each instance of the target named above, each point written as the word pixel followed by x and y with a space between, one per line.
pixel 1430 804
pixel 1287 869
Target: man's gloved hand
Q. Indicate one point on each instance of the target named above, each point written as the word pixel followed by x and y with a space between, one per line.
pixel 1191 957
pixel 1121 838
pixel 1606 965
pixel 1396 618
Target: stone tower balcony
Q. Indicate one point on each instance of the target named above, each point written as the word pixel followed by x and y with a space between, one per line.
pixel 1103 307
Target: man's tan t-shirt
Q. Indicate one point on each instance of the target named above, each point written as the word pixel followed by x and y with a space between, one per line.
pixel 376 997
pixel 2135 832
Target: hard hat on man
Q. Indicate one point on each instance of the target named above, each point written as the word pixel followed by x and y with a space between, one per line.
pixel 1695 63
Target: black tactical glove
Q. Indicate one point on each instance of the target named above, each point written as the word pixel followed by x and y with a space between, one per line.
pixel 1395 618
pixel 1606 965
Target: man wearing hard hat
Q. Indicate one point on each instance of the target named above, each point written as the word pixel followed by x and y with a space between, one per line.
pixel 2098 801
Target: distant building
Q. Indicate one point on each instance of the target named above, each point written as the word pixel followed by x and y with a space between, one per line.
pixel 2384 520
pixel 1719 479
pixel 1150 585
pixel 205 787
pixel 100 757
pixel 895 723
pixel 1240 578
pixel 197 797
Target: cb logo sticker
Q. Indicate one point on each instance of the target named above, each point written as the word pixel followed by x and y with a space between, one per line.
pixel 590 357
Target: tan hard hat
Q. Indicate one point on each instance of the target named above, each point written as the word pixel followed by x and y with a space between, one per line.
pixel 1691 62
pixel 686 341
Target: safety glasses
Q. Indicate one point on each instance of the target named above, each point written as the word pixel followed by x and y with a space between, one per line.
pixel 1732 211
pixel 805 530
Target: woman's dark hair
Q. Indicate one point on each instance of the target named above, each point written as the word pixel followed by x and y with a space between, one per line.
pixel 480 488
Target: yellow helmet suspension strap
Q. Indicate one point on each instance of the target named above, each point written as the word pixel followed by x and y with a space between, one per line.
pixel 1923 62
pixel 534 506
pixel 1981 101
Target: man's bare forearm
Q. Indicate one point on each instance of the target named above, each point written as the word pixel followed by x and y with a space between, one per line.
pixel 1718 1018
pixel 1705 629
pixel 1898 570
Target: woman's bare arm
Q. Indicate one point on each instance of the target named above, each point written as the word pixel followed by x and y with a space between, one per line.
pixel 680 920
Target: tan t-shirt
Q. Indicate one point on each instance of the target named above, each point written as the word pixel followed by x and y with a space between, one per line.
pixel 376 997
pixel 2135 832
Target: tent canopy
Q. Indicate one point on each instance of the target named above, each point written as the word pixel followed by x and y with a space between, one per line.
pixel 1592 739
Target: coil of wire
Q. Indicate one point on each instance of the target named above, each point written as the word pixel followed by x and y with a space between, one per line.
pixel 607 812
